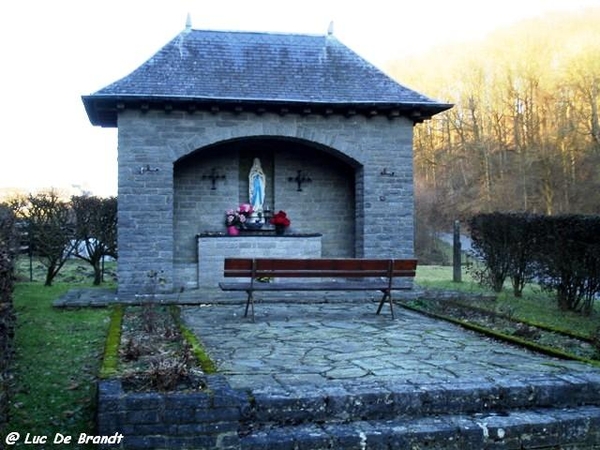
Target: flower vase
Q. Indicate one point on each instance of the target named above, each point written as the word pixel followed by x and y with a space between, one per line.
pixel 233 231
pixel 279 230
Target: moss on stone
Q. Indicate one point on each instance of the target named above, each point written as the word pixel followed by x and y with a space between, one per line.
pixel 110 361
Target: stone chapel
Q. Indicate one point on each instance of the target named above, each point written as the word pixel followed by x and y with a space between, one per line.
pixel 333 135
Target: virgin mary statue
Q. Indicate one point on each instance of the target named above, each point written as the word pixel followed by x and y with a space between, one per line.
pixel 256 185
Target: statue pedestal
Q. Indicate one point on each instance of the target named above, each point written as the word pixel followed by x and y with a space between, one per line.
pixel 213 248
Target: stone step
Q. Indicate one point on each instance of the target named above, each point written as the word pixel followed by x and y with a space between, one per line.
pixel 540 428
pixel 360 402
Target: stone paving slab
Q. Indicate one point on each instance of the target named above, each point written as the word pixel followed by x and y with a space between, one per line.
pixel 299 348
pixel 102 297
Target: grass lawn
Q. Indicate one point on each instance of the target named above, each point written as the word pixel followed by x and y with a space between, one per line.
pixel 56 363
pixel 58 351
pixel 57 358
pixel 534 306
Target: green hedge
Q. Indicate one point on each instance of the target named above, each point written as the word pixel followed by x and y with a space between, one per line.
pixel 569 258
pixel 561 253
pixel 8 248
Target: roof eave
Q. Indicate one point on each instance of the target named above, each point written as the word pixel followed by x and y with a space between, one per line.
pixel 102 110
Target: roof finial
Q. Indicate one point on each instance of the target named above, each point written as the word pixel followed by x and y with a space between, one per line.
pixel 330 29
pixel 188 22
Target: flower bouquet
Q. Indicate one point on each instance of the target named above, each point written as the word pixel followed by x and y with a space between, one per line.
pixel 236 218
pixel 281 222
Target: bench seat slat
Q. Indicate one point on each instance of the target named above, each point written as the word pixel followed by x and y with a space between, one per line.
pixel 325 273
pixel 320 286
pixel 333 264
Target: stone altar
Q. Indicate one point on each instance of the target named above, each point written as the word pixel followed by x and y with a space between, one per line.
pixel 213 248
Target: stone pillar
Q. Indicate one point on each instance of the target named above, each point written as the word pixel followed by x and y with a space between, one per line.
pixel 387 190
pixel 145 210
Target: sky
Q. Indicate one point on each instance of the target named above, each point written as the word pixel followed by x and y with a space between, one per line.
pixel 55 51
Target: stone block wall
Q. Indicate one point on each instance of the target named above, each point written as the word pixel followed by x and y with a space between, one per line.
pixel 198 208
pixel 360 197
pixel 207 419
pixel 514 415
pixel 325 205
pixel 213 250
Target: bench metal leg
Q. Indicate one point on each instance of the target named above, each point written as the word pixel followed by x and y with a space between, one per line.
pixel 249 302
pixel 387 294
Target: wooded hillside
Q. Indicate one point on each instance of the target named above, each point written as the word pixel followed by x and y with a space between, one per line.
pixel 524 134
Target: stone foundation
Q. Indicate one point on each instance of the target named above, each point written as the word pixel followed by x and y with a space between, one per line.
pixel 214 248
pixel 545 415
pixel 151 420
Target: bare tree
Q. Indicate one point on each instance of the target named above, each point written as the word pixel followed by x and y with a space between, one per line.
pixel 524 134
pixel 95 230
pixel 50 228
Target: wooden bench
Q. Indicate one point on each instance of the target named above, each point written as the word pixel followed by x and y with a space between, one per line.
pixel 343 275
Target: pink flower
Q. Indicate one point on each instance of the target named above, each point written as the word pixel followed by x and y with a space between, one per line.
pixel 245 208
pixel 238 216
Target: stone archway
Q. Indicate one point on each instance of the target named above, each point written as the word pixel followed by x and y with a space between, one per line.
pixel 212 179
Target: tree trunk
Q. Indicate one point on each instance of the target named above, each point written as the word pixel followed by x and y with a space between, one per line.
pixel 49 276
pixel 97 273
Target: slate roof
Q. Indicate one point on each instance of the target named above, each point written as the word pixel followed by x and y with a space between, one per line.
pixel 246 70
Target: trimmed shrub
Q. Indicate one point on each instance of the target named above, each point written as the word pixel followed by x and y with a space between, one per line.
pixel 490 236
pixel 523 243
pixel 561 252
pixel 569 257
pixel 8 248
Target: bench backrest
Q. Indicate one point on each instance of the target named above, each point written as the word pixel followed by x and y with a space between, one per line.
pixel 336 267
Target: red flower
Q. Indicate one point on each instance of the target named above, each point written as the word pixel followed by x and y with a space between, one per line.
pixel 280 219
